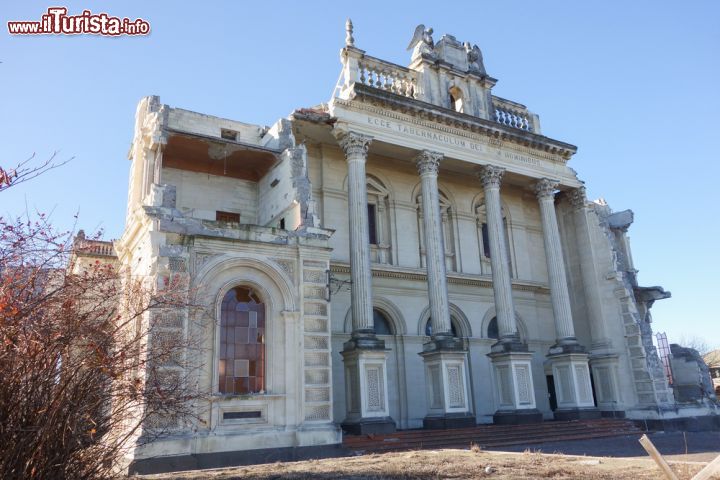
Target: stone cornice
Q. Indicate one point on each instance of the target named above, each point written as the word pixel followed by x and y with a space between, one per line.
pixel 483 281
pixel 554 150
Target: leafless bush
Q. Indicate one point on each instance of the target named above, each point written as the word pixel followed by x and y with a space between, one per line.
pixel 85 371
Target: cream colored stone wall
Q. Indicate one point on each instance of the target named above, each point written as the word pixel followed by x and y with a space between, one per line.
pixel 200 195
pixel 329 178
pixel 194 122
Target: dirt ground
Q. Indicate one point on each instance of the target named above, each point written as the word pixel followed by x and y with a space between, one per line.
pixel 448 464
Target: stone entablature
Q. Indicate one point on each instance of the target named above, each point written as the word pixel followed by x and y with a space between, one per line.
pixel 396 128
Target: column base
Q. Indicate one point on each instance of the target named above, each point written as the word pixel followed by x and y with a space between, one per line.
pixel 514 390
pixel 364 340
pixel 509 345
pixel 566 349
pixel 571 378
pixel 451 420
pixel 517 417
pixel 447 391
pixel 565 414
pixel 366 392
pixel 369 426
pixel 444 344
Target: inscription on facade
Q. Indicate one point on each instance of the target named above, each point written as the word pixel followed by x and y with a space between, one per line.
pixel 441 138
pixel 413 131
pixel 521 158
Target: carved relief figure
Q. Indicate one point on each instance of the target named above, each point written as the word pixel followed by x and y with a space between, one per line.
pixel 422 42
pixel 475 59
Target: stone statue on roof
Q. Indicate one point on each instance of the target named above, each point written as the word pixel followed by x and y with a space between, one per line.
pixel 475 59
pixel 422 42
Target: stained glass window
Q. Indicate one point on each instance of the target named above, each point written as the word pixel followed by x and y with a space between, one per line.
pixel 241 362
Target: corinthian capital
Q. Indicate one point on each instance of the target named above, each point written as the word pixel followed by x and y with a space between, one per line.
pixel 577 198
pixel 491 176
pixel 355 144
pixel 545 188
pixel 428 162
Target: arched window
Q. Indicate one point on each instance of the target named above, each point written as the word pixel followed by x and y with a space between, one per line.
pixel 453 327
pixel 241 361
pixel 378 221
pixel 492 329
pixel 448 229
pixel 484 239
pixel 383 326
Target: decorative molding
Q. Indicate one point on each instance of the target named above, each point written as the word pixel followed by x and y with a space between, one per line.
pixel 456 393
pixel 491 176
pixel 489 136
pixel 354 144
pixel 201 258
pixel 577 198
pixel 428 162
pixel 545 188
pixel 288 266
pixel 349 40
pixel 484 281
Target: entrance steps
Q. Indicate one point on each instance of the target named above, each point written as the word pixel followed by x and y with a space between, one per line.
pixel 487 436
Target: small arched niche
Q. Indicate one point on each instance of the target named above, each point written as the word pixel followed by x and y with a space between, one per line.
pixel 456 99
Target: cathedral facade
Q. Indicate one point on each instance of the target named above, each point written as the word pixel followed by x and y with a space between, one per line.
pixel 414 253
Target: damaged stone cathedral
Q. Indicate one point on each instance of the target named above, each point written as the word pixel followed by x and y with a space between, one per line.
pixel 414 253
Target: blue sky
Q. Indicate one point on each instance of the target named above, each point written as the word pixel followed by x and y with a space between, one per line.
pixel 633 84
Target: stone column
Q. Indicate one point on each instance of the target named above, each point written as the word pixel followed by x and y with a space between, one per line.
pixel 512 362
pixel 364 355
pixel 603 358
pixel 568 358
pixel 491 177
pixel 428 164
pixel 356 147
pixel 559 296
pixel 445 357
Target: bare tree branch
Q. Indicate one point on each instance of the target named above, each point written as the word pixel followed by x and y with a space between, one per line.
pixel 27 170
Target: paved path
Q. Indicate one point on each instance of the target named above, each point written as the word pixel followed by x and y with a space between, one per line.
pixel 700 446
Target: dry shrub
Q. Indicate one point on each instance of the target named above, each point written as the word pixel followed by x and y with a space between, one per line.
pixel 82 370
